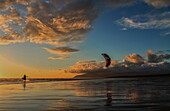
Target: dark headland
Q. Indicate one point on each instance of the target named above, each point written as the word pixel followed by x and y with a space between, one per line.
pixel 120 75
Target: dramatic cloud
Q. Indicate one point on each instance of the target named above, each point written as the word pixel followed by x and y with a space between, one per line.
pixel 8 23
pixel 85 66
pixel 155 21
pixel 157 57
pixel 54 58
pixel 7 4
pixel 52 22
pixel 152 58
pixel 132 64
pixel 61 50
pixel 158 3
pixel 161 21
pixel 38 32
pixel 135 58
pixel 58 22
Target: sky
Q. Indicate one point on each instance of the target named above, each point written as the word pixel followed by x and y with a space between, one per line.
pixel 65 38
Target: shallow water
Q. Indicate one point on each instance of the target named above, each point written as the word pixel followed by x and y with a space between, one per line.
pixel 116 94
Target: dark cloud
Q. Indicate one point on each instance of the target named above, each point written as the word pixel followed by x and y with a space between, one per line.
pixel 61 50
pixel 86 62
pixel 153 58
pixel 157 57
pixel 6 4
pixel 160 52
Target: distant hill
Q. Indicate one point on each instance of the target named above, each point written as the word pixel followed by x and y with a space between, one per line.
pixel 119 75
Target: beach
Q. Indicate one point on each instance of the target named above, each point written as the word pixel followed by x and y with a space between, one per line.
pixel 111 94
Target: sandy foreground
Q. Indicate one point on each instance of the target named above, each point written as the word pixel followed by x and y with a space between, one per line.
pixel 130 94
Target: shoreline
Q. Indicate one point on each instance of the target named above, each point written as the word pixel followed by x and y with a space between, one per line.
pixel 87 78
pixel 125 76
pixel 142 76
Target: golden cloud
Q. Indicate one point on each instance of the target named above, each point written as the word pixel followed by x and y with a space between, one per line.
pixel 49 22
pixel 45 23
pixel 135 58
pixel 38 32
pixel 10 35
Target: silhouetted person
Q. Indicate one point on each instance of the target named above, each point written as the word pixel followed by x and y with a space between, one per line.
pixel 24 77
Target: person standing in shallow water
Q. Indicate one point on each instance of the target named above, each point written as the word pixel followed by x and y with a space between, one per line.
pixel 24 77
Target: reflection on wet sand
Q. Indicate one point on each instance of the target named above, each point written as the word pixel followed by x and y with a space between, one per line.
pixel 108 94
pixel 24 84
pixel 127 94
pixel 101 94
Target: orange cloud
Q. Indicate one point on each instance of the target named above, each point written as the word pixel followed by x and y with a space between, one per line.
pixel 135 58
pixel 10 35
pixel 149 52
pixel 85 66
pixel 38 32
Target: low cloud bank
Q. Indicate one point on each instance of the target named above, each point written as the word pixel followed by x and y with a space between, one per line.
pixel 133 64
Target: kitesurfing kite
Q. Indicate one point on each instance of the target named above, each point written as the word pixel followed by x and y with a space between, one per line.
pixel 107 58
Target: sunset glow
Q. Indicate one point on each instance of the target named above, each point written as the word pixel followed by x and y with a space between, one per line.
pixel 63 39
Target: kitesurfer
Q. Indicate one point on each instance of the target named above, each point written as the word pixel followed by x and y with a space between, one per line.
pixel 24 77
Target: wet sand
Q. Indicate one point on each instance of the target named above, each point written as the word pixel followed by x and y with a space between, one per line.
pixel 112 94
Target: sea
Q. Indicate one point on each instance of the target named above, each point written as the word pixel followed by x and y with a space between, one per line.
pixel 109 94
